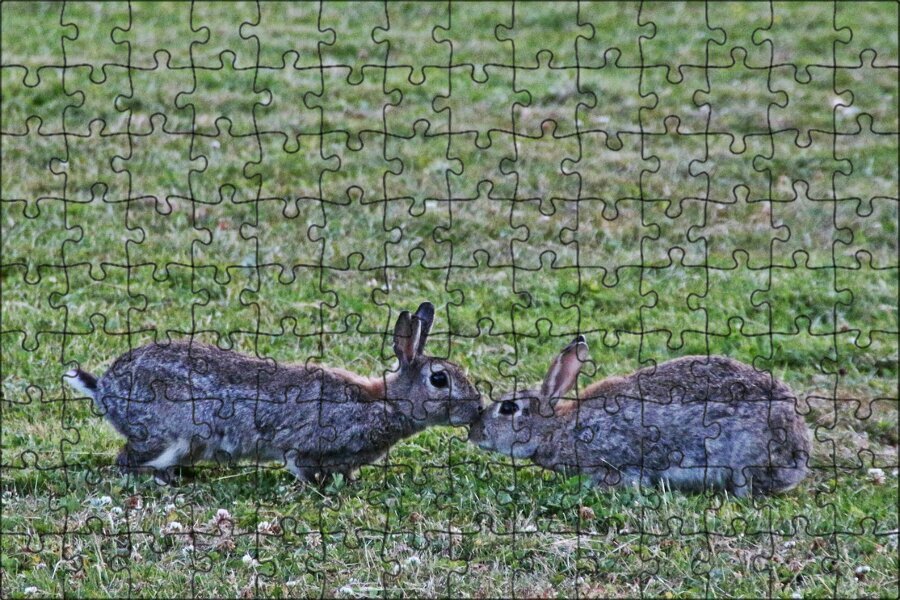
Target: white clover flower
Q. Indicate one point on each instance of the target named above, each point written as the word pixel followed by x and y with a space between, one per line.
pixel 173 527
pixel 876 476
pixel 101 501
pixel 249 561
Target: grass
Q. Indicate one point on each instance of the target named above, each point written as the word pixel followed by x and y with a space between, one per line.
pixel 771 239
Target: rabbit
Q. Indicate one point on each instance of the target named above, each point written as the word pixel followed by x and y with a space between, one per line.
pixel 695 423
pixel 184 402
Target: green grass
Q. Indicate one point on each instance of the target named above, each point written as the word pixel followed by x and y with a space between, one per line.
pixel 655 245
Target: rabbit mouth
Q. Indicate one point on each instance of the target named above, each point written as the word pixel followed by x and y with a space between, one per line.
pixel 484 444
pixel 460 421
pixel 467 417
pixel 466 412
pixel 477 438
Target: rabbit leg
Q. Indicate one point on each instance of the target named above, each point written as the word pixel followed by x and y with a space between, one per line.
pixel 319 477
pixel 302 468
pixel 349 474
pixel 775 480
pixel 605 478
pixel 741 491
pixel 304 474
pixel 158 458
pixel 738 481
pixel 132 460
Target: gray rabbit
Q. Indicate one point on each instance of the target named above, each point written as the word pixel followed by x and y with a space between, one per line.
pixel 184 402
pixel 695 423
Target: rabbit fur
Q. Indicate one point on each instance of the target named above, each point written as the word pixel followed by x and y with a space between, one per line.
pixel 184 402
pixel 695 422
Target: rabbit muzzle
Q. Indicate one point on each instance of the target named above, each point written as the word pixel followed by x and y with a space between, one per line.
pixel 466 412
pixel 477 436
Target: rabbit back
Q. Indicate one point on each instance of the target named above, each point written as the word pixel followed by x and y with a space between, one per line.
pixel 211 404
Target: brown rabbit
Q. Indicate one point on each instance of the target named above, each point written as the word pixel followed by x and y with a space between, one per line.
pixel 694 422
pixel 184 402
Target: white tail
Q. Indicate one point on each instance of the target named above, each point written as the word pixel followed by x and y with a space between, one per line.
pixel 84 383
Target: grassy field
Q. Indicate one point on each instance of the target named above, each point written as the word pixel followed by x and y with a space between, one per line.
pixel 666 179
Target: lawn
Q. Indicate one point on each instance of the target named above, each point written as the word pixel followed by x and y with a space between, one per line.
pixel 667 179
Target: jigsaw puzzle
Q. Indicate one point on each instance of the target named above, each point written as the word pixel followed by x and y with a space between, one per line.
pixel 652 248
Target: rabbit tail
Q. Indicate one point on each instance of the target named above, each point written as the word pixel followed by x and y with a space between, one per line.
pixel 83 382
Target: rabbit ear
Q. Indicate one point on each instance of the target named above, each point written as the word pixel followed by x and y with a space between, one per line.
pixel 407 333
pixel 425 314
pixel 564 371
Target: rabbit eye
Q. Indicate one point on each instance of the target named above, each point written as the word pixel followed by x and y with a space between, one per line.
pixel 508 407
pixel 439 379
